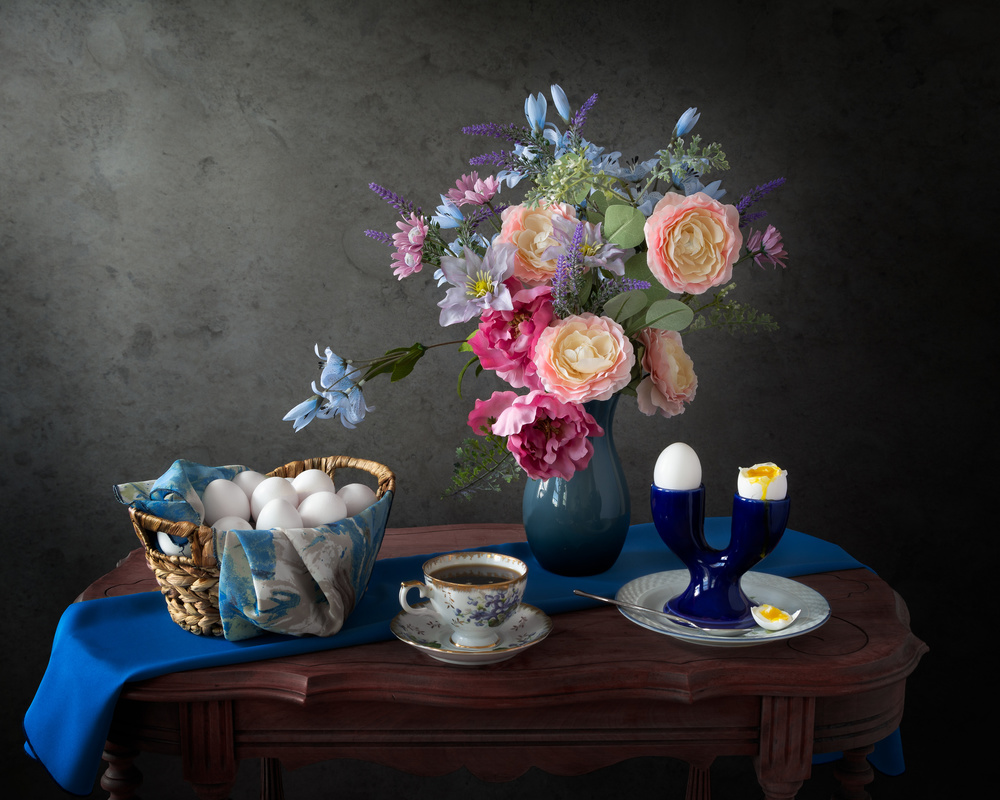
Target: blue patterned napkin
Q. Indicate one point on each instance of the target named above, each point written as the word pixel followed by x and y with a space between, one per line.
pixel 102 644
pixel 176 494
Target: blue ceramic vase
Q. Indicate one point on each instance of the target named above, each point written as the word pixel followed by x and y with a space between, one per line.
pixel 714 597
pixel 578 526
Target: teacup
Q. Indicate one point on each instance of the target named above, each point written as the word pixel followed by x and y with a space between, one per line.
pixel 474 593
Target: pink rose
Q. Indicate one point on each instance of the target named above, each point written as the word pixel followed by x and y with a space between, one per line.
pixel 486 412
pixel 531 230
pixel 506 340
pixel 693 242
pixel 547 436
pixel 671 381
pixel 583 358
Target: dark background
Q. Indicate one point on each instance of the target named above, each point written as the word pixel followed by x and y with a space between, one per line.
pixel 183 191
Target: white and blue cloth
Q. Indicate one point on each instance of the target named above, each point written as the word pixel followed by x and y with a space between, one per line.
pixel 293 581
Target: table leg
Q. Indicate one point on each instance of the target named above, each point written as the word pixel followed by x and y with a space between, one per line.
pixel 699 785
pixel 122 779
pixel 271 787
pixel 207 748
pixel 786 744
pixel 853 772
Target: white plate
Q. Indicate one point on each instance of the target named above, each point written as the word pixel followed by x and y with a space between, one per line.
pixel 653 591
pixel 525 627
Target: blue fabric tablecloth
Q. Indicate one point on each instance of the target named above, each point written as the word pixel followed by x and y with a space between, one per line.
pixel 100 645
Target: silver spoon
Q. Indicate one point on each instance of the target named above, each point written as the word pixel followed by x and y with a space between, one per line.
pixel 671 617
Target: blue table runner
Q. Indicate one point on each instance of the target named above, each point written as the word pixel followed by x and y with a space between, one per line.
pixel 100 645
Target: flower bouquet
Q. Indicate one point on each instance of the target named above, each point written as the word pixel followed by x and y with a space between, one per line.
pixel 576 271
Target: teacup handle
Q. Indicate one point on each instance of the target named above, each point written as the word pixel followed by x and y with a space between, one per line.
pixel 422 588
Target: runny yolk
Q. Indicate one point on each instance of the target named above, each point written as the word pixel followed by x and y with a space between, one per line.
pixel 771 613
pixel 763 474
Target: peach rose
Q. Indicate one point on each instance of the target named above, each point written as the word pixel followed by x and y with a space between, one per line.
pixel 583 358
pixel 693 242
pixel 531 230
pixel 671 381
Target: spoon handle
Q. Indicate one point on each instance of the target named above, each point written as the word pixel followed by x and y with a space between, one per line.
pixel 633 607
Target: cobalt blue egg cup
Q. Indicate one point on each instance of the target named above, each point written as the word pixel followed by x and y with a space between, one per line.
pixel 713 597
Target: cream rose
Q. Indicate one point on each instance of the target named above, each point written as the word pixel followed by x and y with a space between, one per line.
pixel 693 242
pixel 583 358
pixel 671 381
pixel 530 229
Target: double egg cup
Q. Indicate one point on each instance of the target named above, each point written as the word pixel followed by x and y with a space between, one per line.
pixel 714 597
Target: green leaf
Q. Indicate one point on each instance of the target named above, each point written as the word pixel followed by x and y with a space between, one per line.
pixel 638 269
pixel 625 305
pixel 461 374
pixel 624 225
pixel 668 315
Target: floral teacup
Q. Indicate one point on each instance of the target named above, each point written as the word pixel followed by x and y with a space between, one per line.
pixel 473 592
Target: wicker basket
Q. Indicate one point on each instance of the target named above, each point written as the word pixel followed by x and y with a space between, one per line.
pixel 191 585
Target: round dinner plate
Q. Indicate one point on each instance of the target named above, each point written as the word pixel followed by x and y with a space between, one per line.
pixel 653 591
pixel 525 627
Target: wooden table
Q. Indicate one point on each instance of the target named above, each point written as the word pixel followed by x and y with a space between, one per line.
pixel 597 691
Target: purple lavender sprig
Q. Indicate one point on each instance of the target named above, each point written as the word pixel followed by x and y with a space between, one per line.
pixel 509 132
pixel 757 194
pixel 578 120
pixel 404 207
pixel 609 289
pixel 380 236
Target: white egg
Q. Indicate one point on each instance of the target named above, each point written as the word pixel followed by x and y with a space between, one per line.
pixel 272 489
pixel 232 524
pixel 172 548
pixel 248 480
pixel 357 496
pixel 677 468
pixel 322 508
pixel 772 618
pixel 312 481
pixel 278 513
pixel 224 498
pixel 762 482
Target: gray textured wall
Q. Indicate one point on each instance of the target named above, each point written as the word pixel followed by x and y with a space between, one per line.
pixel 182 200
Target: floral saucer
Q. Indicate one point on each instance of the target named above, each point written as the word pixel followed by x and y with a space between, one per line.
pixel 432 635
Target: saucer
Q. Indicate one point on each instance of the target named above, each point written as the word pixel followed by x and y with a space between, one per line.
pixel 653 591
pixel 432 635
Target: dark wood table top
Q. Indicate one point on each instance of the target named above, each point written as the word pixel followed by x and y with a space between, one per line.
pixel 611 688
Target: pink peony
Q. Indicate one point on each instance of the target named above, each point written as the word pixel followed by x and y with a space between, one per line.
pixel 693 242
pixel 531 230
pixel 547 436
pixel 671 381
pixel 486 412
pixel 506 340
pixel 583 358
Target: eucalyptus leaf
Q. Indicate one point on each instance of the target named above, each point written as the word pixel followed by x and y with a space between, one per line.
pixel 624 225
pixel 669 315
pixel 625 305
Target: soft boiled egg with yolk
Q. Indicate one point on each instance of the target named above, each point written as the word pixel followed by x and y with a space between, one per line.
pixel 762 482
pixel 772 618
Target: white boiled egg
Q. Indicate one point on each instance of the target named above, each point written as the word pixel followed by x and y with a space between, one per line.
pixel 357 496
pixel 762 482
pixel 677 468
pixel 224 498
pixel 173 545
pixel 322 508
pixel 232 524
pixel 248 480
pixel 278 513
pixel 772 618
pixel 312 481
pixel 272 489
